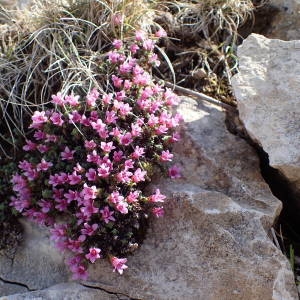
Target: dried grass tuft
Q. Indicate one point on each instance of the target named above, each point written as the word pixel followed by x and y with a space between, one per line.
pixel 57 45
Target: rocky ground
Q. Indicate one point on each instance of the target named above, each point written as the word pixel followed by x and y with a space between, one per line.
pixel 216 240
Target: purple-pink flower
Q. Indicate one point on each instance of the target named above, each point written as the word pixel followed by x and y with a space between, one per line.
pixel 107 214
pixel 93 255
pixel 88 158
pixel 174 172
pixel 119 264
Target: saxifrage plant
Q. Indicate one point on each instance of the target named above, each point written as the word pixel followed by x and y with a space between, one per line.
pixel 89 157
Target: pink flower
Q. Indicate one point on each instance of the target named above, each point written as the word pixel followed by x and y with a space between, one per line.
pixel 138 175
pixel 72 196
pixel 117 18
pixel 53 180
pixel 122 207
pixel 31 174
pixel 134 48
pixel 138 152
pixel 170 98
pixel 115 197
pixel 29 146
pixel 124 109
pixel 148 45
pixel 106 98
pixel 136 130
pixel 92 97
pixel 44 165
pixel 141 79
pixel 133 197
pixel 67 154
pixel 90 145
pixel 78 168
pixel 51 138
pixel 157 197
pixel 126 139
pixel 166 156
pixel 103 170
pixel 75 117
pixel 58 99
pixel 117 44
pixel 45 205
pixel 162 129
pixel 88 229
pixel 128 164
pixel 175 137
pixel 42 148
pixel 62 204
pixel 38 119
pixel 110 117
pixel 127 84
pixel 58 232
pixel 93 157
pixel 153 120
pixel 140 35
pixel 85 121
pixel 118 264
pixel 117 81
pixel 107 147
pixel 107 215
pixel 39 135
pixel 120 96
pixel 89 210
pixel 158 211
pixel 117 156
pixel 115 132
pixel 124 176
pixel 88 192
pixel 99 125
pixel 153 59
pixel 91 175
pixel 160 33
pixel 74 178
pixel 79 272
pixel 125 68
pixel 93 255
pixel 72 100
pixel 56 119
pixel 174 172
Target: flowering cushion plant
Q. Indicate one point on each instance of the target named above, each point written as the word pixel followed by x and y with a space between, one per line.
pixel 89 158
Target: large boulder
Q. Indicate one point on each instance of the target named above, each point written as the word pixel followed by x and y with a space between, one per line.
pixel 267 90
pixel 214 241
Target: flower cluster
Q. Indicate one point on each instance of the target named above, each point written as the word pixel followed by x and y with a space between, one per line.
pixel 89 158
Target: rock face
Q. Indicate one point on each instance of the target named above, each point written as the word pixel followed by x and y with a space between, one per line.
pixel 286 24
pixel 66 291
pixel 213 242
pixel 268 95
pixel 36 263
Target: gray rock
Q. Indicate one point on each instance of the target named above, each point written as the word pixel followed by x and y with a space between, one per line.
pixel 267 89
pixel 213 242
pixel 64 291
pixel 36 263
pixel 286 23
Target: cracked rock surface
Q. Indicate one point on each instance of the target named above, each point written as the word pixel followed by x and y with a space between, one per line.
pixel 213 242
pixel 267 89
pixel 66 291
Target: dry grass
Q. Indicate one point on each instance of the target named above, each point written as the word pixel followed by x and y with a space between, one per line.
pixel 57 45
pixel 204 37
